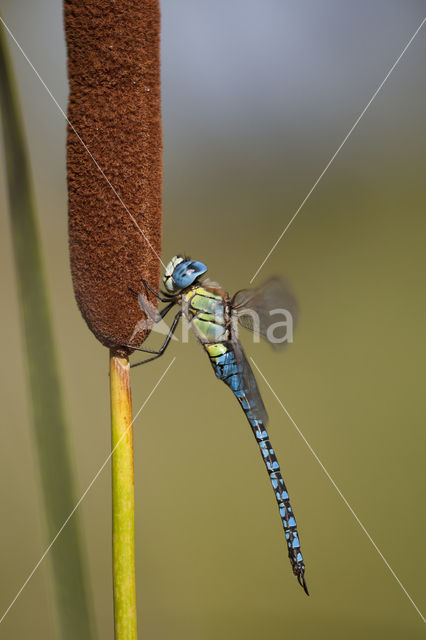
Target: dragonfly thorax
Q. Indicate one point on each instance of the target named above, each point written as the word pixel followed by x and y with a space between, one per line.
pixel 206 308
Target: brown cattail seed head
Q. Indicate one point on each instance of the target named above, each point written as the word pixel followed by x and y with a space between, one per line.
pixel 114 160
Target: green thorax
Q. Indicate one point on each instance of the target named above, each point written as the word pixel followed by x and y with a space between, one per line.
pixel 207 311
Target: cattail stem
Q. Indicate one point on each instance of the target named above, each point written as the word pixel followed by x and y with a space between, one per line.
pixel 123 500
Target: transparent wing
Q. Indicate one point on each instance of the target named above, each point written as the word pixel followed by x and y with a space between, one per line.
pixel 249 383
pixel 270 311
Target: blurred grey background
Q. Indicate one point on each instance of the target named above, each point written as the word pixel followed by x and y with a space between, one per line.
pixel 257 96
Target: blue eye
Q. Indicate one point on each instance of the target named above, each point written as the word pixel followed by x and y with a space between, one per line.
pixel 187 272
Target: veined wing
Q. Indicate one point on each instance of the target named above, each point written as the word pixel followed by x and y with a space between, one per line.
pixel 248 390
pixel 270 310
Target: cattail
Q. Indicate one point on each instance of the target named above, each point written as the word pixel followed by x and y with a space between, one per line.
pixel 114 182
pixel 114 160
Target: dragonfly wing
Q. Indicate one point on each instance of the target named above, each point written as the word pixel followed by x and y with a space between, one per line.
pixel 249 384
pixel 271 310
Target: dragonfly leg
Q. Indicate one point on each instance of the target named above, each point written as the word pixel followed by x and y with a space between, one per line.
pixel 157 295
pixel 165 311
pixel 149 309
pixel 156 316
pixel 163 346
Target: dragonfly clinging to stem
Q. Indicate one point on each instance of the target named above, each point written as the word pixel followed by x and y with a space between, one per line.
pixel 214 317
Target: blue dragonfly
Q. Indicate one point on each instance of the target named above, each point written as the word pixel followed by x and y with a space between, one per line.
pixel 214 318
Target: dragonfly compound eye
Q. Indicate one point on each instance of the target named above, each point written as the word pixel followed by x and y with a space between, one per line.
pixel 187 272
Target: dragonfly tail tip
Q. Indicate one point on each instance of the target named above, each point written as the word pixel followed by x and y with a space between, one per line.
pixel 301 580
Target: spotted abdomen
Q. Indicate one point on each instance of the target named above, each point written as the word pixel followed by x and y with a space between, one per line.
pixel 229 369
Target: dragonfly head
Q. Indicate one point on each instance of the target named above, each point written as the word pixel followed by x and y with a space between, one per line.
pixel 181 273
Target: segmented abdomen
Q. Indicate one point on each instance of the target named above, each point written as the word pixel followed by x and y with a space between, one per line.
pixel 226 368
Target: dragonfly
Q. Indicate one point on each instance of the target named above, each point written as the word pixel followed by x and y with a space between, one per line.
pixel 214 317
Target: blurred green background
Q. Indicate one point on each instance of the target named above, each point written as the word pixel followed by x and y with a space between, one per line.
pixel 257 96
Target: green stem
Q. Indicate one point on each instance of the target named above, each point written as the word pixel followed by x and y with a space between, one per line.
pixel 46 394
pixel 123 501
